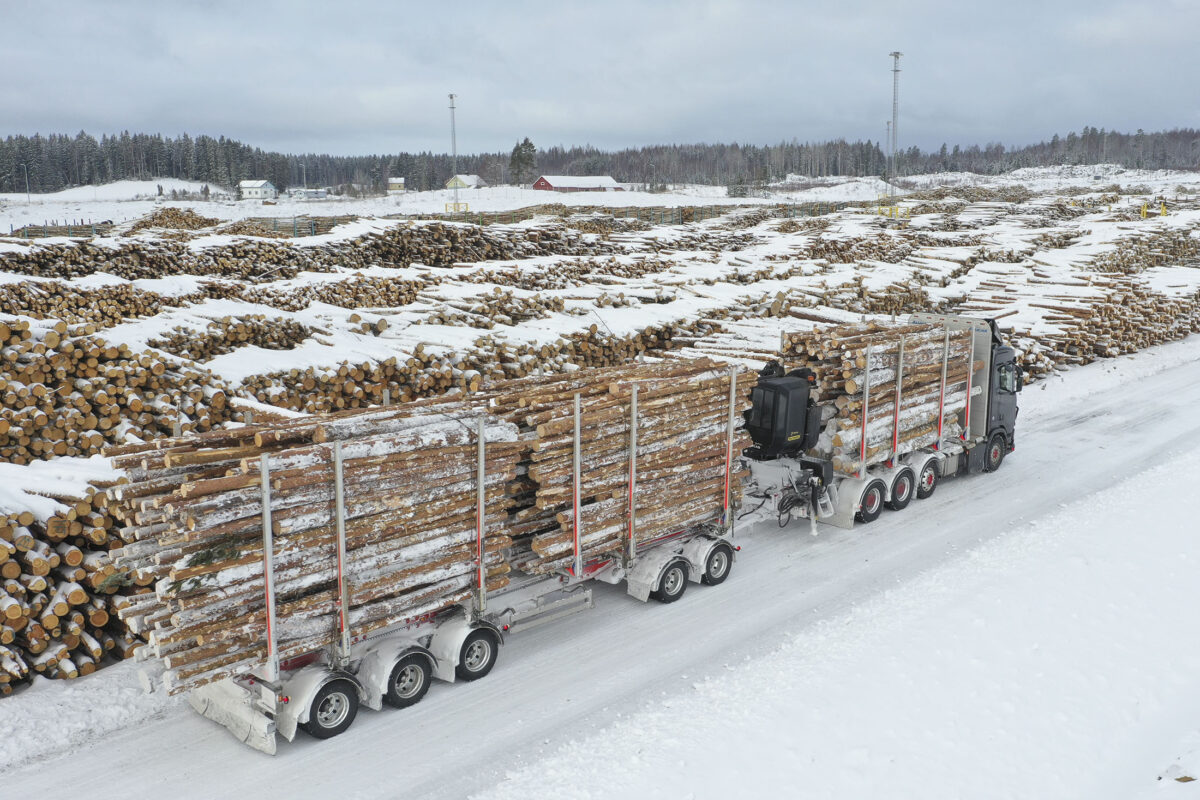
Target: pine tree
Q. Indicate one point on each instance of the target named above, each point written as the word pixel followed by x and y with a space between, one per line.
pixel 523 161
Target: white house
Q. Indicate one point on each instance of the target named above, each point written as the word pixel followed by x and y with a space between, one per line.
pixel 395 186
pixel 465 182
pixel 258 190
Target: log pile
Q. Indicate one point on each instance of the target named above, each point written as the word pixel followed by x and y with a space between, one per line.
pixel 227 334
pixel 102 305
pixel 683 429
pixel 183 219
pixel 838 358
pixel 354 291
pixel 57 607
pixel 67 392
pixel 193 523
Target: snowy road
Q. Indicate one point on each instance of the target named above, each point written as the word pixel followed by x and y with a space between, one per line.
pixel 1076 437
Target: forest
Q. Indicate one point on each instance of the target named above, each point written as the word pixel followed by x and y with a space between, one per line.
pixel 58 161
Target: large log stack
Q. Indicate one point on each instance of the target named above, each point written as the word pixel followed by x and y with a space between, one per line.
pixel 57 603
pixel 926 409
pixel 193 522
pixel 67 392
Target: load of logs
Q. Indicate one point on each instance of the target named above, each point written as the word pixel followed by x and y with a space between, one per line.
pixel 226 334
pixel 194 517
pixel 894 372
pixel 67 393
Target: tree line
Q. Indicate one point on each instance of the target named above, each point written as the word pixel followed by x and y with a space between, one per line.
pixel 60 161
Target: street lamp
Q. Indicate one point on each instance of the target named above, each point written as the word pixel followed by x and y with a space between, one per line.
pixel 651 188
pixel 304 174
pixel 28 201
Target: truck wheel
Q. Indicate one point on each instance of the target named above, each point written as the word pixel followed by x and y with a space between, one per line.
pixel 408 682
pixel 478 656
pixel 717 566
pixel 902 490
pixel 332 710
pixel 871 505
pixel 928 479
pixel 994 457
pixel 673 583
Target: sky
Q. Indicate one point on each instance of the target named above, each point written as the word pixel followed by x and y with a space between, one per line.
pixel 357 77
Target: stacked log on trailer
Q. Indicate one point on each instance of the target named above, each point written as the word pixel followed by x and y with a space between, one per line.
pixel 67 392
pixel 57 607
pixel 683 455
pixel 895 373
pixel 193 517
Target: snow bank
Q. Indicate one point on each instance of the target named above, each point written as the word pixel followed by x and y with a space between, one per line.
pixel 1057 661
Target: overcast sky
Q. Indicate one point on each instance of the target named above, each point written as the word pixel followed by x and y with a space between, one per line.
pixel 367 77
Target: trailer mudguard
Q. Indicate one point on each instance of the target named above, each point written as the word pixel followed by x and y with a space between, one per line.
pixel 376 667
pixel 300 688
pixel 643 577
pixel 697 552
pixel 447 643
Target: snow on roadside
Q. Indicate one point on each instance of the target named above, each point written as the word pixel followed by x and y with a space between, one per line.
pixel 1057 661
pixel 53 716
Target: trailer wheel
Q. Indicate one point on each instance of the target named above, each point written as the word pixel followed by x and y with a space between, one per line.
pixel 408 682
pixel 902 490
pixel 717 565
pixel 673 583
pixel 478 655
pixel 928 479
pixel 871 505
pixel 332 710
pixel 994 457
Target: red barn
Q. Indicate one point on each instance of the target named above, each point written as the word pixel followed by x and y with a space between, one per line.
pixel 577 183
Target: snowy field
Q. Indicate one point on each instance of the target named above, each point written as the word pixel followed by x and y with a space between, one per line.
pixel 127 200
pixel 1024 634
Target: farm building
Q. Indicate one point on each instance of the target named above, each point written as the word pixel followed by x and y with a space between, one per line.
pixel 258 190
pixel 465 182
pixel 577 183
pixel 395 186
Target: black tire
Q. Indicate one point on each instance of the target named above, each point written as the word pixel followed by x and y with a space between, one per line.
pixel 717 565
pixel 673 583
pixel 871 504
pixel 994 456
pixel 332 710
pixel 903 486
pixel 927 481
pixel 408 682
pixel 478 655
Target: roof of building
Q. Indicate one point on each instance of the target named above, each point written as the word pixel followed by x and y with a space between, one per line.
pixel 395 180
pixel 470 180
pixel 255 184
pixel 581 181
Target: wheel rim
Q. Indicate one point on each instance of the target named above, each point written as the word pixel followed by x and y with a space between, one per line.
pixel 673 580
pixel 333 710
pixel 871 501
pixel 902 489
pixel 718 564
pixel 477 655
pixel 994 453
pixel 928 478
pixel 409 681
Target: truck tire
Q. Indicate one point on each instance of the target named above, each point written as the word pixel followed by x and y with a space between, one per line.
pixel 927 481
pixel 477 656
pixel 673 583
pixel 717 565
pixel 408 682
pixel 994 457
pixel 902 490
pixel 332 710
pixel 871 504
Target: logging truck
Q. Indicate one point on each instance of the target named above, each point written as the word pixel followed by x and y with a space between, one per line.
pixel 321 692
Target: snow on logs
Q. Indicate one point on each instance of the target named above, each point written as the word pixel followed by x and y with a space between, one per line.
pixel 838 357
pixel 67 392
pixel 193 523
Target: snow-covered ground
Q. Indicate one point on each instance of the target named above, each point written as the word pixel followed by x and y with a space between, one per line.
pixel 127 200
pixel 1026 634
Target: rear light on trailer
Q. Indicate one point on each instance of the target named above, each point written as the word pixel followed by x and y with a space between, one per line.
pixel 285 699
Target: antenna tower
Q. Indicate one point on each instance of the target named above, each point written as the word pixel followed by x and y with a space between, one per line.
pixel 895 54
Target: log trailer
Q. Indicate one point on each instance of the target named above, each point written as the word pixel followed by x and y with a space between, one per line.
pixel 321 692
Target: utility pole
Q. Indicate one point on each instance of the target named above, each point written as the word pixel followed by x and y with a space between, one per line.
pixel 895 54
pixel 304 174
pixel 453 152
pixel 28 201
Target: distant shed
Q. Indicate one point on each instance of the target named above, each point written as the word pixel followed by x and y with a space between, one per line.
pixel 577 183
